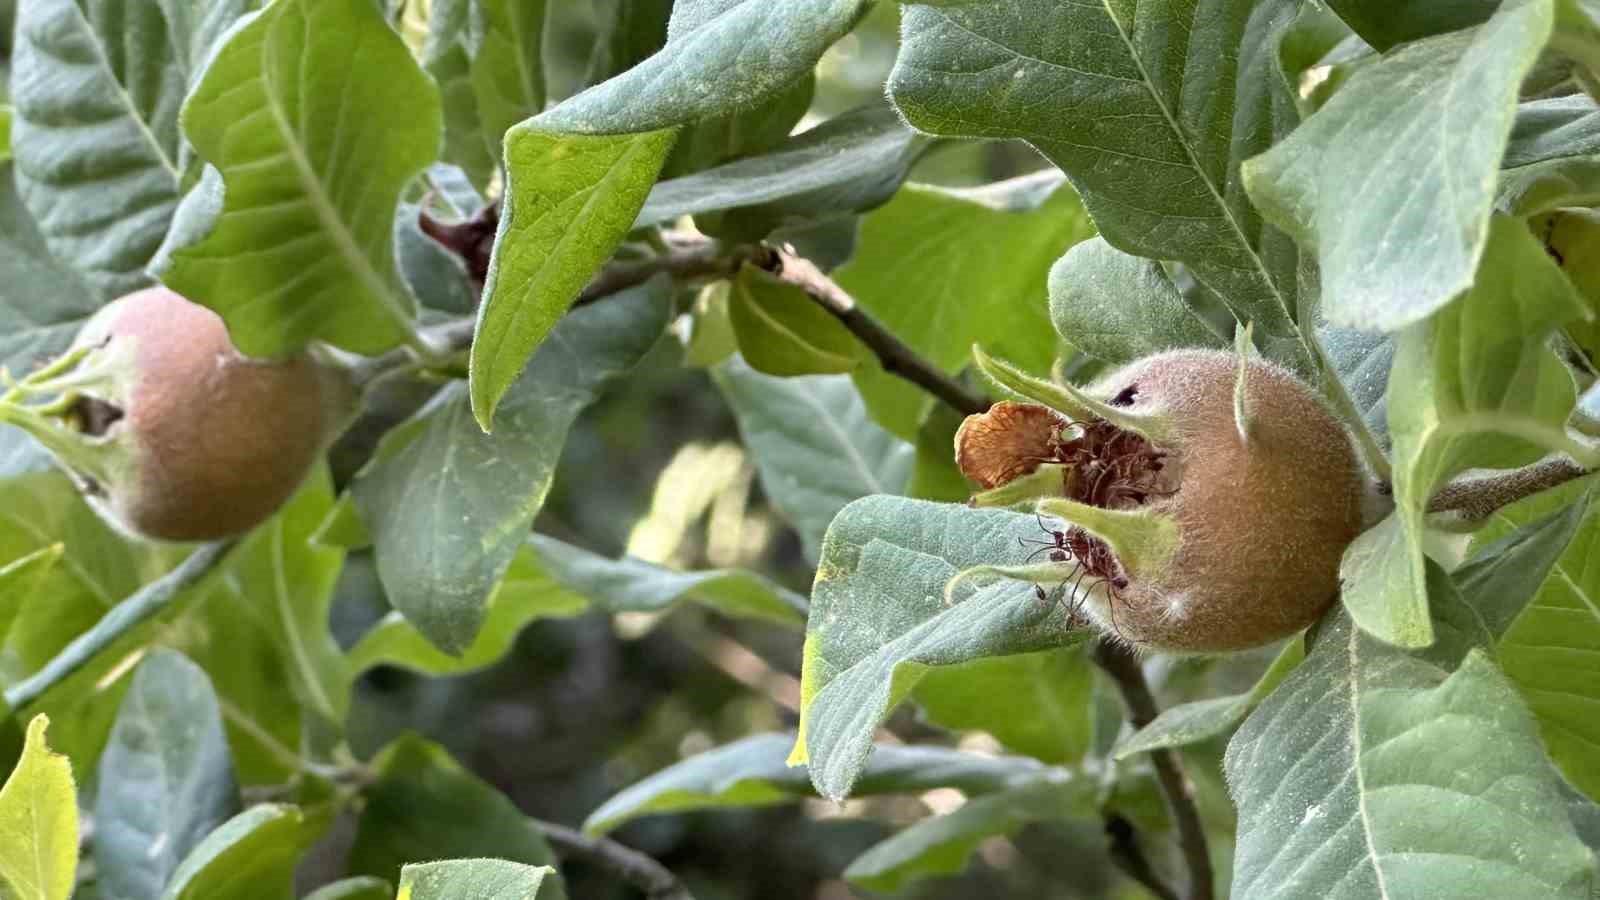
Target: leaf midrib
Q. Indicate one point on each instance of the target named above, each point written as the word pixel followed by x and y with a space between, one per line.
pixel 125 99
pixel 327 214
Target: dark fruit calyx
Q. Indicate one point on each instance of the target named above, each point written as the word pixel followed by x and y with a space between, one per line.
pixel 175 435
pixel 1207 499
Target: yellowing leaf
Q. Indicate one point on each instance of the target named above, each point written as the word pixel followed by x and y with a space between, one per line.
pixel 38 823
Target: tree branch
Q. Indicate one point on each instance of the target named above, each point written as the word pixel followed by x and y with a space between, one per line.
pixel 893 354
pixel 1476 498
pixel 1125 852
pixel 123 618
pixel 1124 669
pixel 623 863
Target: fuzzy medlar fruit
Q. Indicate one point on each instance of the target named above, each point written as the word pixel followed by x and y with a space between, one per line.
pixel 1207 502
pixel 175 435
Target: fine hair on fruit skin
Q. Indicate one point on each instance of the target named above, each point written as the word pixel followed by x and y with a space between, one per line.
pixel 1264 510
pixel 215 441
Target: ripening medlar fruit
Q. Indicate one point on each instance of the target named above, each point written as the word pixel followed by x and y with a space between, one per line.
pixel 1263 509
pixel 178 436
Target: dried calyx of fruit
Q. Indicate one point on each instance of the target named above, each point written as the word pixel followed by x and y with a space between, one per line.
pixel 170 431
pixel 1206 497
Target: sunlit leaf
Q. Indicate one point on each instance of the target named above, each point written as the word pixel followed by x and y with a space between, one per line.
pixel 472 879
pixel 313 155
pixel 39 823
pixel 251 857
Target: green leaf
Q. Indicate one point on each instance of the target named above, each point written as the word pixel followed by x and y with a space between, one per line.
pixel 165 779
pixel 447 56
pixel 1408 146
pixel 979 275
pixel 507 74
pixel 1551 648
pixel 5 133
pixel 851 162
pixel 448 505
pixel 39 823
pixel 314 153
pixel 1354 779
pixel 813 444
pixel 942 845
pixel 1510 563
pixel 43 301
pixel 1038 704
pixel 1550 159
pixel 1119 307
pixel 753 772
pixel 630 31
pixel 251 857
pixel 354 889
pixel 1383 25
pixel 424 805
pixel 1110 95
pixel 472 879
pixel 261 632
pixel 570 201
pixel 720 56
pixel 935 475
pixel 526 593
pixel 96 132
pixel 633 585
pixel 20 580
pixel 880 619
pixel 1473 386
pixel 1201 720
pixel 747 132
pixel 782 331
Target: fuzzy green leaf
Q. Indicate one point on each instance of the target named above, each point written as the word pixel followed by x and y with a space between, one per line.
pixel 20 580
pixel 1355 778
pixel 1113 95
pixel 313 155
pixel 472 879
pixel 850 162
pixel 447 505
pixel 1385 24
pixel 165 779
pixel 813 444
pixel 1118 307
pixel 1409 146
pixel 96 129
pixel 880 619
pixel 38 823
pixel 753 772
pixel 1473 386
